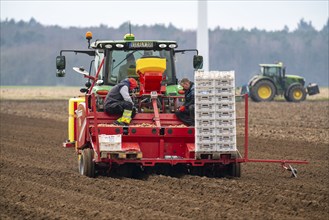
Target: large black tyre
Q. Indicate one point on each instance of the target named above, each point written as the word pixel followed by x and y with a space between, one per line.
pixel 86 163
pixel 263 91
pixel 235 169
pixel 286 97
pixel 125 170
pixel 297 93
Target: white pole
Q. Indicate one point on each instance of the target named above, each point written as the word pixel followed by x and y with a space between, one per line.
pixel 202 33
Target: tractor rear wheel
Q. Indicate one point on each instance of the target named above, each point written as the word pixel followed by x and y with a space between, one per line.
pixel 263 91
pixel 86 163
pixel 297 93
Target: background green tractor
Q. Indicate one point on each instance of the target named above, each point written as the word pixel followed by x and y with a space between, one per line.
pixel 273 80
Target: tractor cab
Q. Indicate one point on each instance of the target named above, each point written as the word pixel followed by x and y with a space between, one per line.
pixel 116 60
pixel 150 62
pixel 121 58
pixel 272 70
pixel 276 72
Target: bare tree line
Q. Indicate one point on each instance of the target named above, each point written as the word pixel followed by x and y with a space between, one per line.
pixel 28 50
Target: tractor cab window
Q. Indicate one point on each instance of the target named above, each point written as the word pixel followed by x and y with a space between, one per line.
pixel 122 64
pixel 98 59
pixel 270 71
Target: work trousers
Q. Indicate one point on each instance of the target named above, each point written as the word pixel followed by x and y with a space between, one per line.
pixel 118 108
pixel 186 116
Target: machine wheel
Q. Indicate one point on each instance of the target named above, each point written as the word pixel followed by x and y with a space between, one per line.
pixel 86 163
pixel 125 170
pixel 263 91
pixel 235 170
pixel 286 97
pixel 297 93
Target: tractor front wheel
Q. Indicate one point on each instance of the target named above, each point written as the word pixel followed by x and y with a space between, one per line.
pixel 86 163
pixel 263 91
pixel 297 93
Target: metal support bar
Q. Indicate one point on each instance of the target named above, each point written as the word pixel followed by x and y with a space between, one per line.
pixel 154 98
pixel 246 145
pixel 277 161
pixel 96 77
pixel 97 149
pixel 246 128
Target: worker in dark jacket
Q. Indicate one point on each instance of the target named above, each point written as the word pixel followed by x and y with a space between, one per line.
pixel 186 112
pixel 118 101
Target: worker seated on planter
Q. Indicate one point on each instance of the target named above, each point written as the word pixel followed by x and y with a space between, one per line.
pixel 118 101
pixel 186 112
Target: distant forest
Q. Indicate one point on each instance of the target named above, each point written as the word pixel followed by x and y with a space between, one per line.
pixel 29 49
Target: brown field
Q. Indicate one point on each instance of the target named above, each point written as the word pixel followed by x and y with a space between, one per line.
pixel 39 178
pixel 63 93
pixel 38 92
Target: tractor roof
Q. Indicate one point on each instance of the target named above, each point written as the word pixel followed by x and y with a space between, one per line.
pixel 134 44
pixel 272 65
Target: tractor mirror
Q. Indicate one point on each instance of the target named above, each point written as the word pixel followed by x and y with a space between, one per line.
pixel 197 62
pixel 60 65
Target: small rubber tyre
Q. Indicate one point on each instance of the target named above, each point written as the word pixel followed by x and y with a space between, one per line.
pixel 263 91
pixel 297 93
pixel 235 169
pixel 86 163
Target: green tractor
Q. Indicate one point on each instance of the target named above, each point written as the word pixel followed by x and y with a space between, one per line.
pixel 273 81
pixel 116 60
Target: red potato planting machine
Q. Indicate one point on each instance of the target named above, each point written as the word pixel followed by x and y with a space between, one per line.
pixel 156 140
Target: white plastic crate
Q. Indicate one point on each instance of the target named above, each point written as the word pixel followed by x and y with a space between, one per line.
pixel 206 147
pixel 226 106
pixel 224 83
pixel 204 99
pixel 205 115
pixel 204 123
pixel 226 139
pixel 210 83
pixel 205 91
pixel 226 123
pixel 225 90
pixel 205 139
pixel 201 75
pixel 223 74
pixel 228 75
pixel 226 131
pixel 204 131
pixel 226 147
pixel 109 142
pixel 225 115
pixel 224 98
pixel 205 107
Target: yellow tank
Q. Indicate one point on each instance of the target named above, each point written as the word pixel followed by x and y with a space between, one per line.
pixel 73 105
pixel 150 65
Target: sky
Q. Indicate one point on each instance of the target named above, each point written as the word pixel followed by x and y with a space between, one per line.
pixel 265 15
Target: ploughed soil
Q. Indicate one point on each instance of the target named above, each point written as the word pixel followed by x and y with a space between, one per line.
pixel 40 179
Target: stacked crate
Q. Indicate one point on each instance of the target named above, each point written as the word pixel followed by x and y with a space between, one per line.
pixel 215 123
